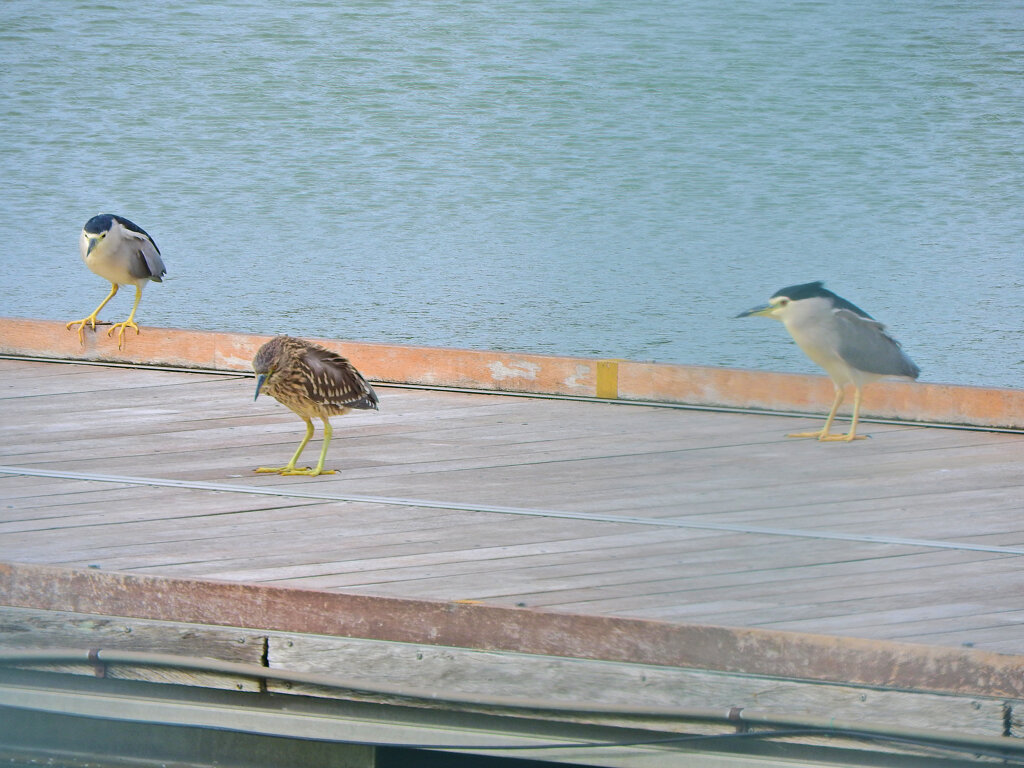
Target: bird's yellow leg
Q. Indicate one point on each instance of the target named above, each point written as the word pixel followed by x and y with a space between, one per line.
pixel 91 319
pixel 289 468
pixel 822 434
pixel 319 470
pixel 852 434
pixel 129 323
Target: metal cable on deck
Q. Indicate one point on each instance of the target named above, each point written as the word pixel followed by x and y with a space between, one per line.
pixel 663 522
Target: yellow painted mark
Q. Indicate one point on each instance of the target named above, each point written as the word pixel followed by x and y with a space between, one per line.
pixel 608 379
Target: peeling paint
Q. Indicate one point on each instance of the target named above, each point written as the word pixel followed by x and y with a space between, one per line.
pixel 234 363
pixel 519 369
pixel 581 378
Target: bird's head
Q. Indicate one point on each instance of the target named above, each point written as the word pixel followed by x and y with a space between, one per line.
pixel 266 362
pixel 113 229
pixel 798 301
pixel 95 232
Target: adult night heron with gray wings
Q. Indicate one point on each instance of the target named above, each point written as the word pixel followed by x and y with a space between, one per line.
pixel 123 253
pixel 842 338
pixel 311 381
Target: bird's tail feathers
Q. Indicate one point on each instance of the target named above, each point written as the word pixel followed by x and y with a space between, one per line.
pixel 365 404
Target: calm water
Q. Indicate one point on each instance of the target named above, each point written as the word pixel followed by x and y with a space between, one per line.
pixel 594 178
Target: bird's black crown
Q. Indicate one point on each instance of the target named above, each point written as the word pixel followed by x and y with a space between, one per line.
pixel 104 221
pixel 817 289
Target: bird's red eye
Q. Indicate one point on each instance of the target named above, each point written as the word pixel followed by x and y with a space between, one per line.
pixel 783 302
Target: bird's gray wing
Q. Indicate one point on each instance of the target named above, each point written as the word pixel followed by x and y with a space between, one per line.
pixel 865 345
pixel 146 261
pixel 335 380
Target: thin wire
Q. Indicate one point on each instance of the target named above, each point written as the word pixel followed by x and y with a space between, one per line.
pixel 658 522
pixel 539 395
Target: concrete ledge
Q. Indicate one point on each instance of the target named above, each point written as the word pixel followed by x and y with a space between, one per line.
pixel 537 374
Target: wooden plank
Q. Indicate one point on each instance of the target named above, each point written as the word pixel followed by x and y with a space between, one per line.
pixel 982 509
pixel 25 487
pixel 514 678
pixel 693 484
pixel 28 380
pixel 368 556
pixel 28 629
pixel 101 547
pixel 741 651
pixel 625 590
pixel 816 582
pixel 679 575
pixel 579 683
pixel 939 618
pixel 997 635
pixel 122 506
pixel 515 576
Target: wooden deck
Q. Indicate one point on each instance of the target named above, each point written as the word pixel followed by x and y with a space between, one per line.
pixel 567 506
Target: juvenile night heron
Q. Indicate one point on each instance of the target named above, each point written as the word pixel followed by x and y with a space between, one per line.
pixel 123 253
pixel 312 381
pixel 842 338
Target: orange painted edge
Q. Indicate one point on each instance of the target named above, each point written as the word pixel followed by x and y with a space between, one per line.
pixel 530 373
pixel 767 390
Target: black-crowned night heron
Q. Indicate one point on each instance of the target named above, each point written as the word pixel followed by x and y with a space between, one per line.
pixel 842 338
pixel 123 253
pixel 312 381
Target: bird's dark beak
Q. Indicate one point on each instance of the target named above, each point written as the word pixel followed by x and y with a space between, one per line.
pixel 92 244
pixel 259 383
pixel 764 309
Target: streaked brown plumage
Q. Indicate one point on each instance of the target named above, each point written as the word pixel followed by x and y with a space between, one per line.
pixel 313 382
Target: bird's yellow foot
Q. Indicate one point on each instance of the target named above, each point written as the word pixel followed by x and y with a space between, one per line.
pixel 91 320
pixel 306 471
pixel 120 334
pixel 828 438
pixel 289 471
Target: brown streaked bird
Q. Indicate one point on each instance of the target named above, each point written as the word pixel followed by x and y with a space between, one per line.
pixel 311 381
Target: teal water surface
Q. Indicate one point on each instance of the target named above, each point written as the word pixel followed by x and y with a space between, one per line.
pixel 586 178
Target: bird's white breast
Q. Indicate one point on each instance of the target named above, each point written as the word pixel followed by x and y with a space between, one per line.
pixel 812 325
